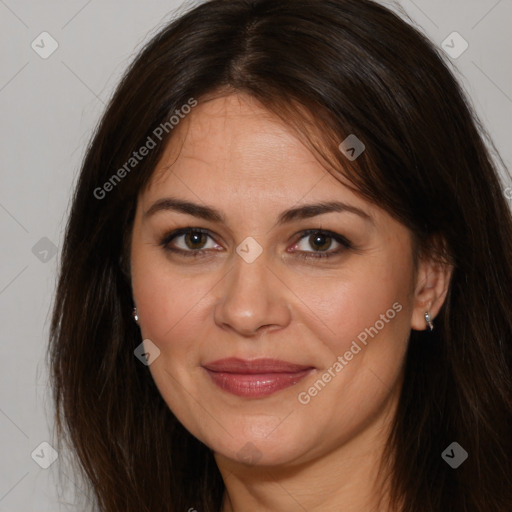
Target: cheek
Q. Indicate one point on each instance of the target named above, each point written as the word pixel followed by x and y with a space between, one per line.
pixel 361 324
pixel 371 299
pixel 168 304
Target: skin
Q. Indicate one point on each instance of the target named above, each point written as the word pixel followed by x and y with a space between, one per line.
pixel 233 155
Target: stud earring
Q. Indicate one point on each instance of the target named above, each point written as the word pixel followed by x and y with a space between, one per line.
pixel 428 320
pixel 135 316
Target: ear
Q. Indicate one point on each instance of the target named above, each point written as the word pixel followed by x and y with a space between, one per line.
pixel 432 283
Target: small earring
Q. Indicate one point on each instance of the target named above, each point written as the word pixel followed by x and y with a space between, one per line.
pixel 428 320
pixel 135 316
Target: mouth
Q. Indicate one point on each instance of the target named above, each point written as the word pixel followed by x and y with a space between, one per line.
pixel 257 378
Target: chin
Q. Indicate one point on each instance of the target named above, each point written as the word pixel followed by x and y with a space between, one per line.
pixel 276 449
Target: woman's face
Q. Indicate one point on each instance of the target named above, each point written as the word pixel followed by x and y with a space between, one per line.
pixel 270 269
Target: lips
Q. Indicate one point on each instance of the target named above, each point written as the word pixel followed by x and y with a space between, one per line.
pixel 257 378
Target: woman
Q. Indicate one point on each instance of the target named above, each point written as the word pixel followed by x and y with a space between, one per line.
pixel 286 276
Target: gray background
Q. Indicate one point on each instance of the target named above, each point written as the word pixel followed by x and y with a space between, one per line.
pixel 49 108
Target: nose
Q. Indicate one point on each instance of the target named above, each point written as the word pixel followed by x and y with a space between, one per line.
pixel 252 299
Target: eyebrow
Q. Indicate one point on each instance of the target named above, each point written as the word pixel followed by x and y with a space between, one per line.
pixel 211 214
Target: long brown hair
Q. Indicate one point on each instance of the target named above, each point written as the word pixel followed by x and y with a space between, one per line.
pixel 353 67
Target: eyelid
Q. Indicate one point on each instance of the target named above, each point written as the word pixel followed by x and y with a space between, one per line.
pixel 345 244
pixel 169 237
pixel 342 240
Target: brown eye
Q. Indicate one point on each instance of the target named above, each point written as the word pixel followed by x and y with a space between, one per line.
pixel 189 242
pixel 320 241
pixel 195 239
pixel 324 244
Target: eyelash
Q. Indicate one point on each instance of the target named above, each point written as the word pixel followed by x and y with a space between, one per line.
pixel 344 242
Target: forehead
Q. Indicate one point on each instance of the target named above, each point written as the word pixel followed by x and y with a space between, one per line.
pixel 234 141
pixel 233 133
